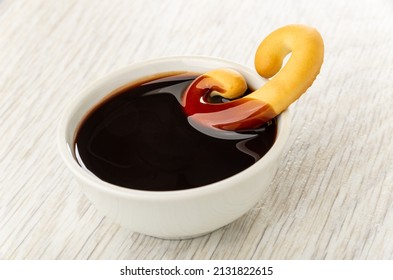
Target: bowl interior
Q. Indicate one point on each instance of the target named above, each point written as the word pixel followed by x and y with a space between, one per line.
pixel 100 89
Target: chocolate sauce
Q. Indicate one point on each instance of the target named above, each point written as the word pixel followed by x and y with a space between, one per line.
pixel 140 138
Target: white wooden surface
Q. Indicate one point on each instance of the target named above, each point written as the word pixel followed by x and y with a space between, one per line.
pixel 332 197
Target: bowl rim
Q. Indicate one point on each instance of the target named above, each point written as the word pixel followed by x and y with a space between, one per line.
pixel 283 129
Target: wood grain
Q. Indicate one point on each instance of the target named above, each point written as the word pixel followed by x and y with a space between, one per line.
pixel 332 197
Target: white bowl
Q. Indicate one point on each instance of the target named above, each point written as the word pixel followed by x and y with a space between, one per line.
pixel 170 214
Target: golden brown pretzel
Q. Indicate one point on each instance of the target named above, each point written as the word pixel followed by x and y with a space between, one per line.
pixel 288 84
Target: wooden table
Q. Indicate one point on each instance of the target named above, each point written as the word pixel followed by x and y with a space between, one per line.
pixel 332 197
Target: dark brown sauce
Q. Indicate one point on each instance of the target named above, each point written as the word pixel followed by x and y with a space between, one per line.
pixel 140 138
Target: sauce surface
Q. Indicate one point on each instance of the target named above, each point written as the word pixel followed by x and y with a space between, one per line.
pixel 141 138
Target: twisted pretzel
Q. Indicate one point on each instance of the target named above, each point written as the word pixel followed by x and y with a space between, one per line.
pixel 260 106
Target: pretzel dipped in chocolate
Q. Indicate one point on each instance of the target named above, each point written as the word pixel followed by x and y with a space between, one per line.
pixel 251 111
